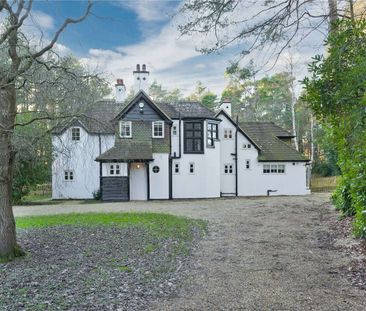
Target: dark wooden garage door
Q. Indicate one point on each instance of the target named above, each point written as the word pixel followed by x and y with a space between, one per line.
pixel 115 189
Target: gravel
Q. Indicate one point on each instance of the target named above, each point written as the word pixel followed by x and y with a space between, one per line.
pixel 269 253
pixel 98 268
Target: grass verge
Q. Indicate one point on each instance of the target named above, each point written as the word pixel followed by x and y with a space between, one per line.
pixel 162 225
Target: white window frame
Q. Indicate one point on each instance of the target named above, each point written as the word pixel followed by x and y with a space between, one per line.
pixel 175 130
pixel 191 165
pixel 249 146
pixel 111 170
pixel 72 133
pixel 129 124
pixel 162 129
pixel 176 165
pixel 228 131
pixel 228 168
pixel 274 169
pixel 68 174
pixel 247 164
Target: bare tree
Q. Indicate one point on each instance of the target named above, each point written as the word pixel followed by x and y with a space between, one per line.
pixel 258 24
pixel 21 56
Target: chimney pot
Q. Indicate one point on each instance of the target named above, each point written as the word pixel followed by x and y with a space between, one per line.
pixel 138 67
pixel 143 67
pixel 119 82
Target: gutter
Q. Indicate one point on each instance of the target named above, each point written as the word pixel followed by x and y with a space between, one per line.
pixel 100 167
pixel 171 158
pixel 236 157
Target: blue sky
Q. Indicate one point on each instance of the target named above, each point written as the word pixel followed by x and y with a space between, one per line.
pixel 120 34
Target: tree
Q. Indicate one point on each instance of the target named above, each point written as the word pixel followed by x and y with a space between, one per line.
pixel 204 95
pixel 277 24
pixel 336 91
pixel 21 56
pixel 51 97
pixel 159 94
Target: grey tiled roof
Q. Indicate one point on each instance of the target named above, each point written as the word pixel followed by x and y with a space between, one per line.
pixel 96 120
pixel 128 150
pixel 186 110
pixel 272 148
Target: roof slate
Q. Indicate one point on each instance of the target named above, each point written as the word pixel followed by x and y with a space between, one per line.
pixel 128 150
pixel 272 148
pixel 186 110
pixel 96 120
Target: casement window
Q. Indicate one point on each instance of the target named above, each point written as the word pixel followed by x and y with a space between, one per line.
pixel 125 129
pixel 175 130
pixel 69 176
pixel 158 129
pixel 228 168
pixel 266 169
pixel 247 164
pixel 274 169
pixel 75 133
pixel 192 168
pixel 156 169
pixel 176 168
pixel 247 146
pixel 193 137
pixel 281 169
pixel 211 133
pixel 114 169
pixel 228 134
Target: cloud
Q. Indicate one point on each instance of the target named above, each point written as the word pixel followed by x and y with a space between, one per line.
pixel 150 10
pixel 42 20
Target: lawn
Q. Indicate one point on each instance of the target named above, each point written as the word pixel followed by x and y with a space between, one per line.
pixel 98 261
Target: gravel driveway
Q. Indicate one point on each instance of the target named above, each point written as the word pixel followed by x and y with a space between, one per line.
pixel 275 253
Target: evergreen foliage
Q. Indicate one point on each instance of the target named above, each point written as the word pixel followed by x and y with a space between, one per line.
pixel 336 92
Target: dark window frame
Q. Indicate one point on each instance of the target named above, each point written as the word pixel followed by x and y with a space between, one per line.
pixel 75 133
pixel 190 126
pixel 213 131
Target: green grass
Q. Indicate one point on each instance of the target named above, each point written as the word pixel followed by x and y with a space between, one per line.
pixel 163 225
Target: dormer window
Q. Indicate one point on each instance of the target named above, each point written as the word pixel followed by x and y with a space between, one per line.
pixel 158 129
pixel 75 133
pixel 125 129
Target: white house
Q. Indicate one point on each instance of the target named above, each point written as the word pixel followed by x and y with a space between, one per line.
pixel 142 150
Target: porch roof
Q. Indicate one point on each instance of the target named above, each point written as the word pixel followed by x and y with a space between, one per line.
pixel 129 151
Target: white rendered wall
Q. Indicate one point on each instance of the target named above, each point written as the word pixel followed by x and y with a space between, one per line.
pixel 159 182
pixel 106 172
pixel 205 181
pixel 227 181
pixel 77 156
pixel 175 138
pixel 252 181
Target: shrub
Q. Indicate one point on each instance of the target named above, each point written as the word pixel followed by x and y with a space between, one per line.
pixel 97 194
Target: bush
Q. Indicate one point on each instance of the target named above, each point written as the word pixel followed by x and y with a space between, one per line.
pixel 324 169
pixel 342 200
pixel 97 195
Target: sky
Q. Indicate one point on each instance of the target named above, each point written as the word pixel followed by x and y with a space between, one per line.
pixel 117 35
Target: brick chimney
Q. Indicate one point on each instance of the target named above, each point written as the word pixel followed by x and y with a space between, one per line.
pixel 120 91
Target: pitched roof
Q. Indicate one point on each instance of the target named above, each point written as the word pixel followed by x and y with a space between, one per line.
pixel 272 148
pixel 142 95
pixel 186 109
pixel 128 150
pixel 96 120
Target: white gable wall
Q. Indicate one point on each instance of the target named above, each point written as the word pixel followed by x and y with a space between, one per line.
pixel 205 181
pixel 252 181
pixel 77 156
pixel 227 182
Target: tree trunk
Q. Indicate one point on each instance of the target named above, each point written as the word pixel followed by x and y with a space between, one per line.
pixel 333 13
pixel 312 139
pixel 8 245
